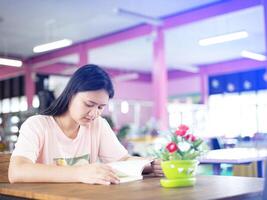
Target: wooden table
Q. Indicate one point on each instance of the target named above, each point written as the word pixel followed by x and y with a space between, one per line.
pixel 4 162
pixel 236 156
pixel 207 187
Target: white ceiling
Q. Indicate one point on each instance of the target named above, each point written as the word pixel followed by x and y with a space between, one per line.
pixel 28 23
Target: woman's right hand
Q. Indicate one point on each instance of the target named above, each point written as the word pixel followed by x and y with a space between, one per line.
pixel 97 173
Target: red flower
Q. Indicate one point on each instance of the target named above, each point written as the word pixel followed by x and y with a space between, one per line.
pixel 180 132
pixel 172 147
pixel 190 138
pixel 183 127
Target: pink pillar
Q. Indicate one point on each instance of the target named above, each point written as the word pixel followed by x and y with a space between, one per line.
pixel 29 84
pixel 83 56
pixel 204 87
pixel 160 81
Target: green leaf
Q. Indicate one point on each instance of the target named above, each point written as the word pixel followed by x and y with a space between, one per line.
pixel 197 143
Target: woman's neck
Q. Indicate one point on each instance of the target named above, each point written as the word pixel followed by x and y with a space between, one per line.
pixel 69 127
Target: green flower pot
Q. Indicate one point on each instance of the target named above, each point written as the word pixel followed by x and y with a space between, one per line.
pixel 179 173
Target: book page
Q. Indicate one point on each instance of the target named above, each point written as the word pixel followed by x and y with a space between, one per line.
pixel 129 170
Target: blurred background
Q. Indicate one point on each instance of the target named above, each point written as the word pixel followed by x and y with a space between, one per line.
pixel 195 62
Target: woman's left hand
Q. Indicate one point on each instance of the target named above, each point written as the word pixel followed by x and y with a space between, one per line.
pixel 156 168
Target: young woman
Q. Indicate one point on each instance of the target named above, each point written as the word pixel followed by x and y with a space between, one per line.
pixel 70 142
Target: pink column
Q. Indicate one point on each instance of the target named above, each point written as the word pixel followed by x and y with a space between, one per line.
pixel 204 87
pixel 160 81
pixel 83 56
pixel 29 84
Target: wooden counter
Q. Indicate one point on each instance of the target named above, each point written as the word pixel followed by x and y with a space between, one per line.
pixel 4 162
pixel 207 187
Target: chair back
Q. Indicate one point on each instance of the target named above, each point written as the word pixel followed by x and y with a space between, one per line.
pixel 215 143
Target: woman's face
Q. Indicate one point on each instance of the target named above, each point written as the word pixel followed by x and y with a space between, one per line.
pixel 84 107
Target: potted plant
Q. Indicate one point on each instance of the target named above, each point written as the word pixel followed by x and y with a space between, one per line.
pixel 179 158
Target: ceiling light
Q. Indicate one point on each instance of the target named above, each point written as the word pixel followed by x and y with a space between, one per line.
pixel 138 16
pixel 223 38
pixel 53 45
pixel 186 68
pixel 10 62
pixel 254 56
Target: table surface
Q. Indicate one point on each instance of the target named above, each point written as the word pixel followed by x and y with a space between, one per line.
pixel 234 155
pixel 207 187
pixel 4 162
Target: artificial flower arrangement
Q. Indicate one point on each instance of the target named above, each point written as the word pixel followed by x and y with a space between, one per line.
pixel 179 158
pixel 182 146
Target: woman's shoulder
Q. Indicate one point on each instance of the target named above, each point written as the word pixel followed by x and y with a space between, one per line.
pixel 38 120
pixel 100 121
pixel 98 124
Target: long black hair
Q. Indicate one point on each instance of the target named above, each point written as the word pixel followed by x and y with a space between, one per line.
pixel 87 78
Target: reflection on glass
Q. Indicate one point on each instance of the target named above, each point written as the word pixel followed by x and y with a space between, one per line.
pixel 215 117
pixel 35 102
pixel 262 122
pixel 14 129
pixel 23 103
pixel 15 104
pixel 229 115
pixel 193 115
pixel 262 111
pixel 14 119
pixel 6 105
pixel 236 114
pixel 248 116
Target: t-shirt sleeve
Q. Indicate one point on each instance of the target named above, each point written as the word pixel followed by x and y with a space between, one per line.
pixel 29 141
pixel 110 148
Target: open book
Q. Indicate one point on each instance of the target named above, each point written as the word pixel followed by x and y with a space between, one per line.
pixel 130 170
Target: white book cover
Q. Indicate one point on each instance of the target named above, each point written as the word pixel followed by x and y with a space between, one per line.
pixel 130 170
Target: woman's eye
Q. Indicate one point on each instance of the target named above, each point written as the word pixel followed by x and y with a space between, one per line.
pixel 100 107
pixel 88 105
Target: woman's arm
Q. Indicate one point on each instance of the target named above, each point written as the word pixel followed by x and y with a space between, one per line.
pixel 22 169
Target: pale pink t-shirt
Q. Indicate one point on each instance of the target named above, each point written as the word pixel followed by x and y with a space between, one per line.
pixel 42 141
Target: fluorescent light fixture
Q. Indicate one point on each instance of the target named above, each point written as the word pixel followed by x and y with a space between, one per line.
pixel 223 38
pixel 138 16
pixel 10 62
pixel 53 45
pixel 187 68
pixel 252 55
